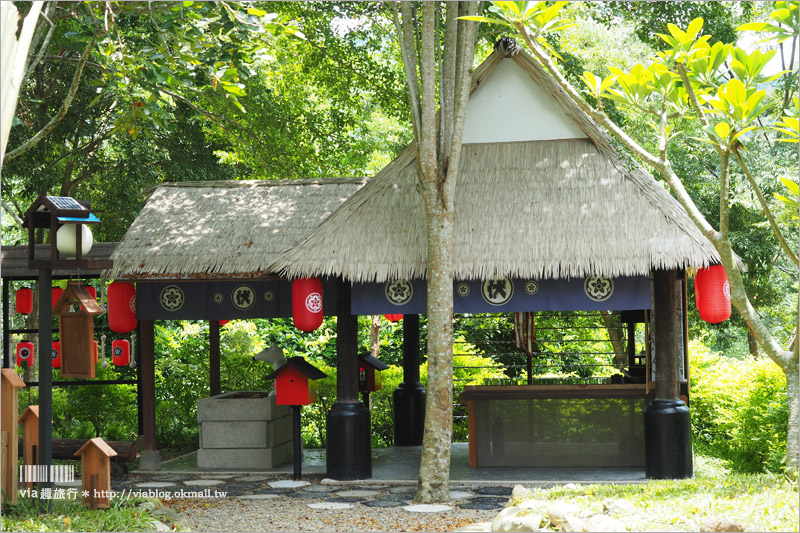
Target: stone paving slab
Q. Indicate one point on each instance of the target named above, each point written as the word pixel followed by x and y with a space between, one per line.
pixel 427 508
pixel 257 496
pixel 358 493
pixel 383 503
pixel 203 482
pixel 155 485
pixel 330 505
pixel 288 484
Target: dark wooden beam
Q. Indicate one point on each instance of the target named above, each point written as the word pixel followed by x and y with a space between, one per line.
pixel 213 348
pixel 148 389
pixel 45 381
pixel 665 306
pixel 346 347
pixel 411 348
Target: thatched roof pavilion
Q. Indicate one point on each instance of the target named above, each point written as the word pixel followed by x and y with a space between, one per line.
pixel 542 193
pixel 224 229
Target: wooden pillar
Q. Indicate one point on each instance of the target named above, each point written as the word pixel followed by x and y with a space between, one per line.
pixel 665 305
pixel 410 348
pixel 150 457
pixel 6 323
pixel 346 347
pixel 213 348
pixel 409 396
pixel 45 381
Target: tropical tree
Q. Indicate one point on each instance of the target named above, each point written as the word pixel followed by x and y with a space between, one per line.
pixel 437 61
pixel 720 88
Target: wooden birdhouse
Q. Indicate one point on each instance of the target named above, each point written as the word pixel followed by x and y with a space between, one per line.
pixel 96 472
pixel 369 372
pixel 295 382
pixel 10 382
pixel 30 437
pixel 76 330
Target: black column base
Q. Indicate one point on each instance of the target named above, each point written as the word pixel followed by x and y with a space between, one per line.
pixel 667 440
pixel 409 413
pixel 349 441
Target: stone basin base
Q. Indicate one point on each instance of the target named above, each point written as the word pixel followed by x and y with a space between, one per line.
pixel 243 430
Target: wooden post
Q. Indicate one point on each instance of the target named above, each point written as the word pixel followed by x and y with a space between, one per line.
pixel 96 472
pixel 150 457
pixel 30 437
pixel 10 382
pixel 346 348
pixel 45 380
pixel 213 362
pixel 665 293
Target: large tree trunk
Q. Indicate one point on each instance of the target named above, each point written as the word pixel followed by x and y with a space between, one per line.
pixel 434 472
pixel 793 398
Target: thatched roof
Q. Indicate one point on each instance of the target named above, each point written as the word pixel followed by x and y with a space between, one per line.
pixel 224 229
pixel 532 209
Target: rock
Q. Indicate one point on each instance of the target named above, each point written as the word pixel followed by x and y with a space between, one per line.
pixel 572 524
pixel 603 522
pixel 159 526
pixel 516 519
pixel 558 512
pixel 519 492
pixel 721 523
pixel 620 506
pixel 536 505
pixel 328 481
pixel 570 486
pixel 146 505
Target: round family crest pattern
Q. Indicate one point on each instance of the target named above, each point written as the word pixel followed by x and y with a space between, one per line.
pixel 218 298
pixel 171 298
pixel 463 289
pixel 598 288
pixel 131 304
pixel 269 296
pixel 726 289
pixel 399 292
pixel 497 291
pixel 243 297
pixel 314 302
pixel 531 287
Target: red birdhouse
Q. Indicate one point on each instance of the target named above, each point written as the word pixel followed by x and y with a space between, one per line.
pixel 56 354
pixel 24 301
pixel 307 303
pixel 25 354
pixel 712 294
pixel 122 307
pixel 78 347
pixel 369 373
pixel 295 382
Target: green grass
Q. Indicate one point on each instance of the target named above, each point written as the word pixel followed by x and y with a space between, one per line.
pixel 67 515
pixel 760 502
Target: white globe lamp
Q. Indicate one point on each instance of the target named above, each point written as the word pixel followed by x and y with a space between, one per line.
pixel 65 238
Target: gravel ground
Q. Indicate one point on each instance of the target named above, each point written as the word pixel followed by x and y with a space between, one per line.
pixel 292 514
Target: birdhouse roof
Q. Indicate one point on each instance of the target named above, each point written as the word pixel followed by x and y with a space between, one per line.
pixel 374 362
pixel 303 366
pixel 32 410
pixel 76 291
pixel 13 378
pixel 98 443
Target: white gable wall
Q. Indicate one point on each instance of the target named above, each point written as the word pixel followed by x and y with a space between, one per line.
pixel 510 107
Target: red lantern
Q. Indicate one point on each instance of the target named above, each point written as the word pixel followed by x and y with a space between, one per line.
pixel 56 354
pixel 307 303
pixel 712 294
pixel 122 307
pixel 55 295
pixel 121 352
pixel 25 354
pixel 223 322
pixel 24 301
pixel 393 318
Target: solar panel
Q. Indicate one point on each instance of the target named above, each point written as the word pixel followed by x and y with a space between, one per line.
pixel 66 202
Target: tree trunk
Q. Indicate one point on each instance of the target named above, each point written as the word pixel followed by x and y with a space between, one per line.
pixel 752 344
pixel 375 336
pixel 615 336
pixel 793 398
pixel 434 471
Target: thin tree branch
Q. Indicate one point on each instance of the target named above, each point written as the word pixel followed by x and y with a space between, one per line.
pixel 10 210
pixel 764 207
pixel 32 66
pixel 50 126
pixel 405 37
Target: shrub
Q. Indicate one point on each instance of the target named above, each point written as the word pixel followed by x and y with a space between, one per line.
pixel 739 410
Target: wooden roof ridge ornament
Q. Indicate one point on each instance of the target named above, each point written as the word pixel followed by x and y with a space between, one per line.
pixel 54 213
pixel 76 329
pixel 9 423
pixel 96 457
pixel 30 437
